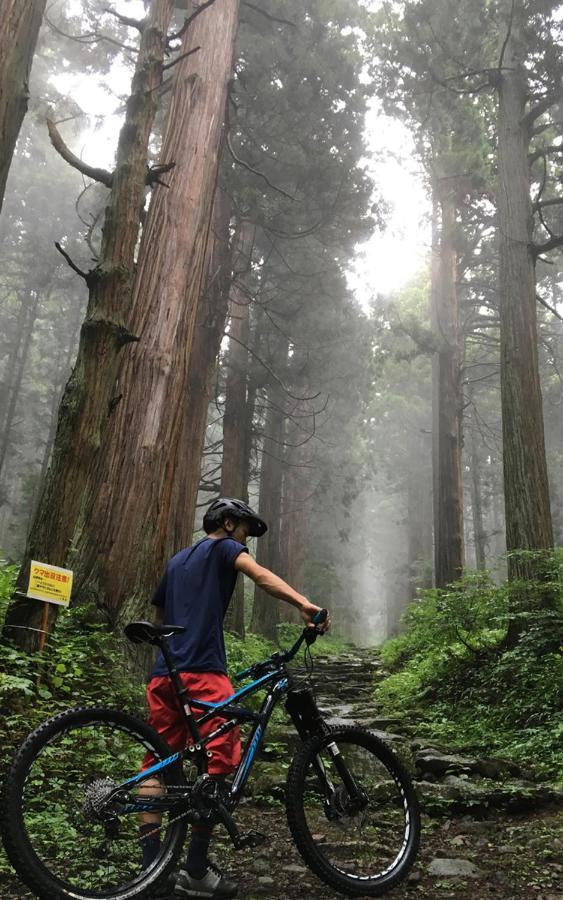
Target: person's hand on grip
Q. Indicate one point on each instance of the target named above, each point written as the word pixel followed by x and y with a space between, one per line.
pixel 309 611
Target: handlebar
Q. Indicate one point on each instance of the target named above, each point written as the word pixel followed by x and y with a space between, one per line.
pixel 309 635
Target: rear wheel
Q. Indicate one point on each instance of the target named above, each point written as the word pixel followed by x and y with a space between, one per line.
pixel 353 812
pixel 65 834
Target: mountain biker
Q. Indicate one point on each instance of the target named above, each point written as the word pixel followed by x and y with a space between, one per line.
pixel 195 592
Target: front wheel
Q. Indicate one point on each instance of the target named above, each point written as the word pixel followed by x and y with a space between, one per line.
pixel 353 812
pixel 64 833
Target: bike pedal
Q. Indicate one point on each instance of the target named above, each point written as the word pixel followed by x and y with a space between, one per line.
pixel 251 839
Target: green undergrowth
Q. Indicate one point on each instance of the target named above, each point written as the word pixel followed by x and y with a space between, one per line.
pixel 456 680
pixel 86 664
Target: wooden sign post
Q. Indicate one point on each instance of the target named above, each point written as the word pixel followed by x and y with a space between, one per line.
pixel 51 584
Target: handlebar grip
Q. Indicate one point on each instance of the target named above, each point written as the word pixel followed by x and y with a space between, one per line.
pixel 320 617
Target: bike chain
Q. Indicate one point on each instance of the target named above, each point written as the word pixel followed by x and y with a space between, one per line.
pixel 171 821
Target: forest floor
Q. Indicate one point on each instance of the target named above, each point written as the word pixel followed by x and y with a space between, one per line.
pixel 518 856
pixel 510 855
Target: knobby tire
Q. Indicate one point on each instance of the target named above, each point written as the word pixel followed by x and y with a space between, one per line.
pixel 310 848
pixel 30 868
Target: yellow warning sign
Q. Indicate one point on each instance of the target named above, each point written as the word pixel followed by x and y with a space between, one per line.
pixel 49 583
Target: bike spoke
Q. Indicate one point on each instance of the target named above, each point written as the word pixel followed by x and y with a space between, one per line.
pixel 362 836
pixel 78 833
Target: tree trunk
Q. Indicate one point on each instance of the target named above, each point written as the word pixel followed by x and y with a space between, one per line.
pixel 295 519
pixel 479 534
pixel 20 21
pixel 17 368
pixel 55 402
pixel 527 506
pixel 234 470
pixel 419 519
pixel 140 458
pixel 210 327
pixel 448 540
pixel 265 611
pixel 87 404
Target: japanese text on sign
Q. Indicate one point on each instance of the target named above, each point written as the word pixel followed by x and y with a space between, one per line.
pixel 49 583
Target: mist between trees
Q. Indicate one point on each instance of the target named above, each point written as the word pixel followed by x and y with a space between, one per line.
pixel 193 333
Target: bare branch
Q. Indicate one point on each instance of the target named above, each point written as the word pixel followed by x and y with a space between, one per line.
pixel 538 110
pixel 552 244
pixel 154 173
pixel 544 151
pixel 549 307
pixel 139 24
pixel 267 15
pixel 180 58
pixel 555 201
pixel 270 371
pixel 187 22
pixel 101 175
pixel 246 165
pixel 507 37
pixel 72 265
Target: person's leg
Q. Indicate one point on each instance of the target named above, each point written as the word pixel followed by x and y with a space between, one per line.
pixel 165 718
pixel 199 875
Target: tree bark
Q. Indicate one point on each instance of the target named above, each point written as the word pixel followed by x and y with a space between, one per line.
pixel 448 494
pixel 20 21
pixel 527 505
pixel 294 521
pixel 419 519
pixel 265 611
pixel 19 362
pixel 234 469
pixel 123 550
pixel 87 404
pixel 210 327
pixel 479 534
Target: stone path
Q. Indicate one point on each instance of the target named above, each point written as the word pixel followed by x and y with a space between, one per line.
pixel 487 832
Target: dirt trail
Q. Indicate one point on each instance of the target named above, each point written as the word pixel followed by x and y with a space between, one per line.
pixel 498 854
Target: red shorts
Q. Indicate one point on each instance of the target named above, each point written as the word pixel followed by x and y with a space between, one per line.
pixel 166 718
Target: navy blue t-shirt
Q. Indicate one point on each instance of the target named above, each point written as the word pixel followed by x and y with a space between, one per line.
pixel 195 592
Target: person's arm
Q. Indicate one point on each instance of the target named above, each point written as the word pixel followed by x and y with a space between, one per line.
pixel 277 587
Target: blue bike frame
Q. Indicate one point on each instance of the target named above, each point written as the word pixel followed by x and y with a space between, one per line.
pixel 233 714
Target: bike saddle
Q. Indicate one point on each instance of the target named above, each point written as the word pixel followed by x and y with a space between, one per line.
pixel 147 633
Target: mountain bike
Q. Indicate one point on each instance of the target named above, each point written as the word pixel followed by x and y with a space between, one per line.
pixel 74 790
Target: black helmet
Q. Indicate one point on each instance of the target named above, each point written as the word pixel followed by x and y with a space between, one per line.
pixel 228 507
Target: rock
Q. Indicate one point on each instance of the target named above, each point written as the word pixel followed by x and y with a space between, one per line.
pixel 430 760
pixel 454 868
pixel 296 869
pixel 265 880
pixel 461 794
pixel 260 866
pixel 440 763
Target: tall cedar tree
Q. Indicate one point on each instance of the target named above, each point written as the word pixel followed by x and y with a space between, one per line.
pixel 520 60
pixel 87 403
pixel 19 27
pixel 130 526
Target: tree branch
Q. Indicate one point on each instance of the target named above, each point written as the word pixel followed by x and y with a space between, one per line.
pixel 73 265
pixel 551 244
pixel 139 24
pixel 180 58
pixel 154 173
pixel 270 371
pixel 507 37
pixel 247 166
pixel 547 306
pixel 101 175
pixel 538 110
pixel 187 22
pixel 267 15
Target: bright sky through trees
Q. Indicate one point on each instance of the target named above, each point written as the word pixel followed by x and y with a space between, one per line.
pixel 385 262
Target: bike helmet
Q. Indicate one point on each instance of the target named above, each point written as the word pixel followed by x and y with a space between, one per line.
pixel 228 507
